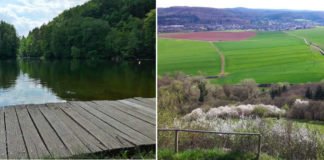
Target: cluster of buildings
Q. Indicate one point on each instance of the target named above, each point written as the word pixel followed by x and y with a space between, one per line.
pixel 260 26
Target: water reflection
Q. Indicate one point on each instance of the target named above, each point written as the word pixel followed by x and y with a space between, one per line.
pixel 8 73
pixel 26 91
pixel 53 81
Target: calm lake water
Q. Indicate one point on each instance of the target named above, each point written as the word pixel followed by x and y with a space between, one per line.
pixel 40 81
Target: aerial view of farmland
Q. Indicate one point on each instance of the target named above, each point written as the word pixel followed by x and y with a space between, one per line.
pixel 265 56
pixel 240 83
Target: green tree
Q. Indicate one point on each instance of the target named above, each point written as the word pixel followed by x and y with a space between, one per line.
pixel 96 29
pixel 319 94
pixel 9 41
pixel 309 93
pixel 150 34
pixel 75 52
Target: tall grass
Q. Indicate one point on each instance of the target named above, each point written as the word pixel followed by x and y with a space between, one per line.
pixel 204 154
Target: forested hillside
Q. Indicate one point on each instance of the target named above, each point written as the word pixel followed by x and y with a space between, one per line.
pixel 113 29
pixel 8 40
pixel 240 16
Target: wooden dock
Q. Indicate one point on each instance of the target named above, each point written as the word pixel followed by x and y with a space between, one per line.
pixel 62 130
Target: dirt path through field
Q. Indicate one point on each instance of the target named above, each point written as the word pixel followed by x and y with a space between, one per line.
pixel 299 37
pixel 311 44
pixel 222 58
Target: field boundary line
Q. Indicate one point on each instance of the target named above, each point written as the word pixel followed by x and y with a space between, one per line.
pixel 310 44
pixel 299 37
pixel 222 59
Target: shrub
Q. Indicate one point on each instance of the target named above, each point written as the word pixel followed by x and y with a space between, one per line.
pixel 233 111
pixel 247 89
pixel 260 111
pixel 280 138
pixel 219 154
pixel 309 93
pixel 314 110
pixel 285 107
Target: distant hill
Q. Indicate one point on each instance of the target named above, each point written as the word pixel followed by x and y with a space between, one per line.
pixel 113 29
pixel 200 18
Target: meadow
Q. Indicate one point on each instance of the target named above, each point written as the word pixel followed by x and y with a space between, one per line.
pixel 269 57
pixel 190 57
pixel 314 35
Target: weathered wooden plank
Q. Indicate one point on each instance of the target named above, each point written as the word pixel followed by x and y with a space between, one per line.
pixel 147 101
pixel 126 107
pixel 60 130
pixel 130 121
pixel 72 142
pixel 116 124
pixel 131 111
pixel 87 139
pixel 3 143
pixel 15 142
pixel 34 144
pixel 152 99
pixel 146 109
pixel 143 103
pixel 54 144
pixel 125 139
pixel 86 121
pixel 138 102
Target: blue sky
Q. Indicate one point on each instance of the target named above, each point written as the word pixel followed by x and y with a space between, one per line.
pixel 28 14
pixel 261 4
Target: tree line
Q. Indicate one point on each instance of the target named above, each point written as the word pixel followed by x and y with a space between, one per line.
pixel 114 29
pixel 9 42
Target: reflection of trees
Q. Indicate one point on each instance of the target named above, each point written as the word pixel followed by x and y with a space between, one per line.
pixel 90 80
pixel 8 73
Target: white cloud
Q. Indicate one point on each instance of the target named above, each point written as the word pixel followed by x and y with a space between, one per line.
pixel 273 4
pixel 28 14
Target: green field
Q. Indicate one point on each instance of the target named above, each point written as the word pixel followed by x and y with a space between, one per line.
pixel 314 35
pixel 271 57
pixel 190 57
pixel 268 57
pixel 314 125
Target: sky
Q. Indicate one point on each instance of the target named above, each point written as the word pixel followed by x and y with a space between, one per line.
pixel 317 5
pixel 25 15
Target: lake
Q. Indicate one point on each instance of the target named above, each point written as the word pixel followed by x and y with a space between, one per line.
pixel 44 81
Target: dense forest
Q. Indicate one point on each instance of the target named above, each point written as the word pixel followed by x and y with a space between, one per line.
pixel 114 29
pixel 9 41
